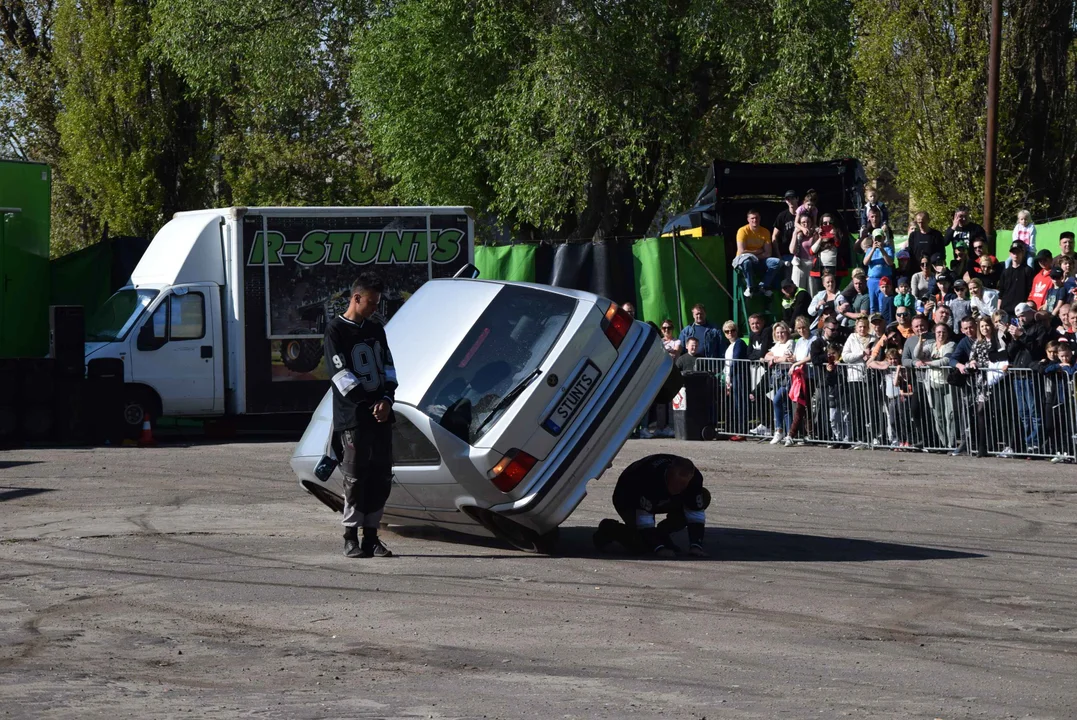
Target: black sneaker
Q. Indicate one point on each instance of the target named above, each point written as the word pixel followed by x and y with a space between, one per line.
pixel 605 533
pixel 352 548
pixel 374 547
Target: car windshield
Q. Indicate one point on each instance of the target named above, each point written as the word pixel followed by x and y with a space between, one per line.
pixel 496 359
pixel 114 319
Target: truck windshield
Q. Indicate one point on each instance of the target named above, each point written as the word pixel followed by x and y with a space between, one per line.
pixel 496 360
pixel 114 319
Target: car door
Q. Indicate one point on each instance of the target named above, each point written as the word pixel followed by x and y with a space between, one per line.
pixel 174 351
pixel 429 468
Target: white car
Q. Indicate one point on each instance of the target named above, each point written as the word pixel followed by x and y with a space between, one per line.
pixel 512 397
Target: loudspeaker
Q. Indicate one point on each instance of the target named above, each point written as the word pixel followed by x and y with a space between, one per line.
pixel 697 421
pixel 67 339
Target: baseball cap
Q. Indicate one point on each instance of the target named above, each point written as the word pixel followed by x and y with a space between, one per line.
pixel 938 259
pixel 878 232
pixel 1044 254
pixel 1056 273
pixel 1023 308
pixel 903 254
pixel 875 317
pixel 961 244
pixel 960 284
pixel 884 280
pixel 787 283
pixel 790 194
pixel 944 276
pixel 1018 246
pixel 903 281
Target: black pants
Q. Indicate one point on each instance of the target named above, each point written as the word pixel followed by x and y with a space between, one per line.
pixel 640 540
pixel 367 466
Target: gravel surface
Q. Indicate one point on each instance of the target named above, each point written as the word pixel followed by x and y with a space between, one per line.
pixel 199 581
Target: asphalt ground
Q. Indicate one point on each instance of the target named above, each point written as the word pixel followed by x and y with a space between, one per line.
pixel 199 581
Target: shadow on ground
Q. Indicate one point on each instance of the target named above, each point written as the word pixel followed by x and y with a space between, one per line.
pixel 14 493
pixel 5 464
pixel 743 545
pixel 725 544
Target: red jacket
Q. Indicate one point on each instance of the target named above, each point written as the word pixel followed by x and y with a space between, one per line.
pixel 1041 285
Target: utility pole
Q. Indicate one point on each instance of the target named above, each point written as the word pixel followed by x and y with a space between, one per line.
pixel 991 162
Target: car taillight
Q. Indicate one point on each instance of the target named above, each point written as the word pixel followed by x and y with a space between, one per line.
pixel 511 469
pixel 616 324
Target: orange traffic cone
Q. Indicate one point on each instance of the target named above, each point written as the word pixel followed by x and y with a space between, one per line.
pixel 146 438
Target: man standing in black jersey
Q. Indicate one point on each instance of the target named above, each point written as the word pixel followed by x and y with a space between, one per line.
pixel 364 380
pixel 657 485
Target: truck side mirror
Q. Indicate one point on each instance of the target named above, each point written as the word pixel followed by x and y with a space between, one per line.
pixel 147 340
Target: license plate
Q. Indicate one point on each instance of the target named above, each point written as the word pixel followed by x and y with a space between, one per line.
pixel 577 394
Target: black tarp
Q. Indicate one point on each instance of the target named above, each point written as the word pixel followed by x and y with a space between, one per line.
pixel 733 188
pixel 606 268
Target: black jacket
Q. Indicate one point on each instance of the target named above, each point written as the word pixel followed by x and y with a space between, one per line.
pixel 1014 286
pixel 1030 348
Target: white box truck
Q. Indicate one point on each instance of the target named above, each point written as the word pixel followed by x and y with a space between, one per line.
pixel 225 312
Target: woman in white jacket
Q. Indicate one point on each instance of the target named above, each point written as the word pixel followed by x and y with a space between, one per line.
pixel 854 355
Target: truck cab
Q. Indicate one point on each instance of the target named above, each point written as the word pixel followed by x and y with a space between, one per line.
pixel 167 326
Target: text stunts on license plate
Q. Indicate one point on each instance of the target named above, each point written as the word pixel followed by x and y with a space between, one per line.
pixel 577 393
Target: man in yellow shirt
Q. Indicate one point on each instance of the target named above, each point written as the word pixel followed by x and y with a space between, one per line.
pixel 754 249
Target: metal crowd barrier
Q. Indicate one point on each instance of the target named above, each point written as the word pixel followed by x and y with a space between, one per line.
pixel 998 411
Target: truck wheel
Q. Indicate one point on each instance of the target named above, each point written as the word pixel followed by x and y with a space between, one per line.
pixel 136 404
pixel 301 356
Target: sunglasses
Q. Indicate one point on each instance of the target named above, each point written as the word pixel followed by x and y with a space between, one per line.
pixel 667 327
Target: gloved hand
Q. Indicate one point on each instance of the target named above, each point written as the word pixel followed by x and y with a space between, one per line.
pixel 697 551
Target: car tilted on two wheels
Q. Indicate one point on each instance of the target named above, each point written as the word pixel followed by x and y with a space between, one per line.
pixel 512 397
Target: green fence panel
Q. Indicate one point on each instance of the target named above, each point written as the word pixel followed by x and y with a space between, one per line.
pixel 1046 237
pixel 25 196
pixel 656 279
pixel 506 262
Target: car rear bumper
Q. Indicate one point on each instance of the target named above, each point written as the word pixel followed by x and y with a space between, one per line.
pixel 596 441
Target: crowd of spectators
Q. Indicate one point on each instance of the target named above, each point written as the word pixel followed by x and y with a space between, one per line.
pixel 968 354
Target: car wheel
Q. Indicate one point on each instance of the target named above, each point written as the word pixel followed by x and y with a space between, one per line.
pixel 515 534
pixel 301 356
pixel 328 498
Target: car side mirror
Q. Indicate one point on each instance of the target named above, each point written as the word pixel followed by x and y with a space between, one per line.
pixel 147 341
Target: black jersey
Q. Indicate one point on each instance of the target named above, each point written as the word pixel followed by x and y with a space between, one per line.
pixel 359 362
pixel 643 485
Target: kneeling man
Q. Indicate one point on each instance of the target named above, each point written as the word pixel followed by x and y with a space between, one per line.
pixel 657 485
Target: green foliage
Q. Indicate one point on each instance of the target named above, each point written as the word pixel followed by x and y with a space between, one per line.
pixel 790 60
pixel 922 68
pixel 132 142
pixel 274 77
pixel 580 120
pixel 572 120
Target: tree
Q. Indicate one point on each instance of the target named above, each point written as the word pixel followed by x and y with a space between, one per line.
pixel 921 66
pixel 273 76
pixel 133 141
pixel 29 106
pixel 578 120
pixel 561 120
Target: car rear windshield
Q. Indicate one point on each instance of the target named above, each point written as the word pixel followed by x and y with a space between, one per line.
pixel 496 360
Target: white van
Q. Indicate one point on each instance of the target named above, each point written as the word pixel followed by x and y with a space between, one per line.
pixel 225 312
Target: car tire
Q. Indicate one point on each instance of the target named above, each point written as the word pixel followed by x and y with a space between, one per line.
pixel 518 536
pixel 301 356
pixel 327 497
